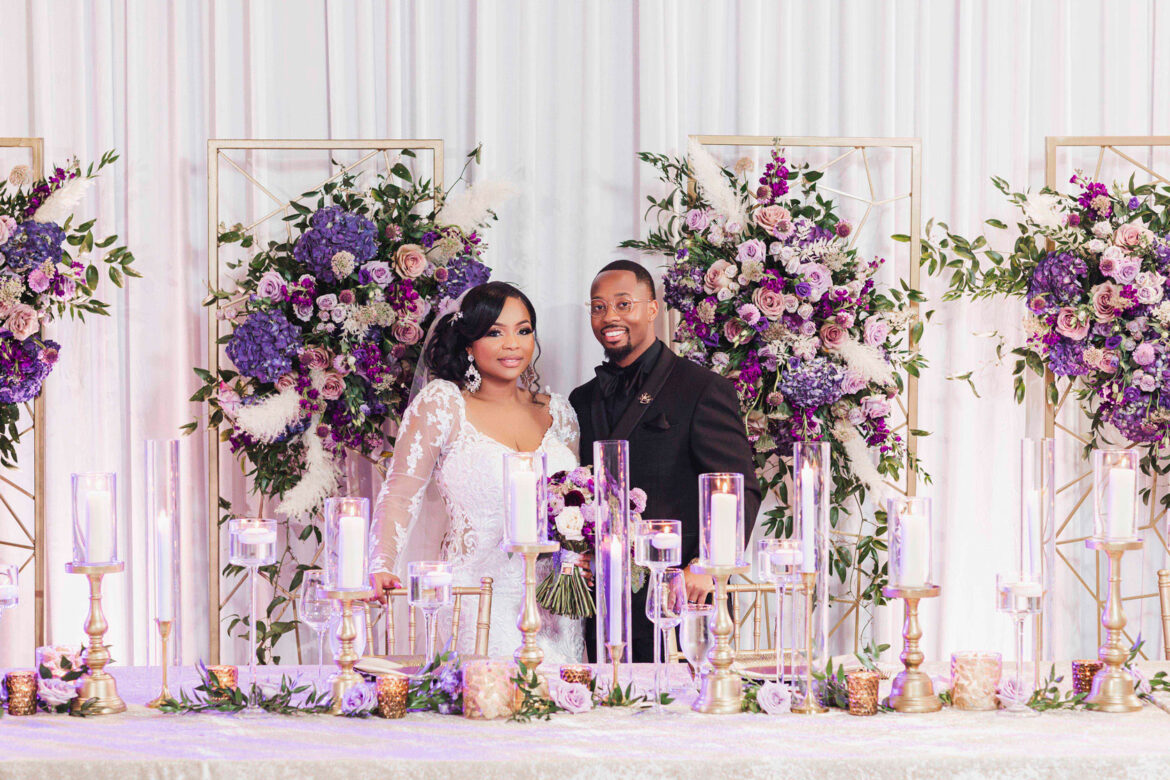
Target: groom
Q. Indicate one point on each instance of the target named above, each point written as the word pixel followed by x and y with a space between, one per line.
pixel 680 419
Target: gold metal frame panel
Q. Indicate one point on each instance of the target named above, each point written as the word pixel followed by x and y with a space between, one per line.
pixel 217 154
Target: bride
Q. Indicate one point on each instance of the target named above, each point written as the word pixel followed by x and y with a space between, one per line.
pixel 482 403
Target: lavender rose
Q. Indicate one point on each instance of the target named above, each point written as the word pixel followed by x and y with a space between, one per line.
pixel 1069 325
pixel 314 358
pixel 22 321
pixel 774 698
pixel 572 697
pixel 406 332
pixel 271 285
pixel 327 302
pixel 54 692
pixel 360 700
pixel 833 335
pixel 380 273
pixel 698 219
pixel 410 261
pixel 770 304
pixel 876 331
pixel 752 249
pixel 333 387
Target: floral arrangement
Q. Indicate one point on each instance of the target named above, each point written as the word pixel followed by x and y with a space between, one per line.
pixel 290 696
pixel 1092 268
pixel 49 267
pixel 771 295
pixel 570 515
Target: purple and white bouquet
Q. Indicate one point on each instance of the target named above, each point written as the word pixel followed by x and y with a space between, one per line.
pixel 49 267
pixel 328 326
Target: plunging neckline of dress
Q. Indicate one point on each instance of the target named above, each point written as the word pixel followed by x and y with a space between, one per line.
pixel 543 438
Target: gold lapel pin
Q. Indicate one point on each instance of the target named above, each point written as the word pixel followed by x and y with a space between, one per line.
pixel 645 399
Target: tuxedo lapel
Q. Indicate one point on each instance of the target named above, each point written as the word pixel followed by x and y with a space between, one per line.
pixel 650 389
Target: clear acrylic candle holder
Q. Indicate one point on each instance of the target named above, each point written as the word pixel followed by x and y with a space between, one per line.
pixel 163 514
pixel 612 560
pixel 95 519
pixel 252 545
pixel 1036 554
pixel 911 542
pixel 778 561
pixel 1115 495
pixel 721 520
pixel 810 502
pixel 347 549
pixel 525 498
pixel 428 587
pixel 9 586
pixel 1020 597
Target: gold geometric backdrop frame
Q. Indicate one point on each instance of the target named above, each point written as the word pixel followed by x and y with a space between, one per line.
pixel 16 534
pixel 861 147
pixel 225 151
pixel 1081 485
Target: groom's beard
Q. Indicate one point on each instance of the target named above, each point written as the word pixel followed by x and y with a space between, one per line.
pixel 618 353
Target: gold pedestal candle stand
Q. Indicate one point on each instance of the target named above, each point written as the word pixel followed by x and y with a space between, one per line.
pixel 615 650
pixel 164 632
pixel 346 677
pixel 97 684
pixel 810 705
pixel 1113 686
pixel 529 653
pixel 912 690
pixel 722 691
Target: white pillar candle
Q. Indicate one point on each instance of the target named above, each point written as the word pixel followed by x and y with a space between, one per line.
pixel 351 548
pixel 99 527
pixel 616 588
pixel 164 556
pixel 724 516
pixel 257 535
pixel 666 540
pixel 1120 511
pixel 914 560
pixel 522 494
pixel 8 593
pixel 808 519
pixel 1029 562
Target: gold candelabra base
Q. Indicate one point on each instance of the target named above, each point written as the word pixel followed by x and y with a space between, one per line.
pixel 722 689
pixel 164 632
pixel 1112 686
pixel 529 653
pixel 912 690
pixel 810 705
pixel 98 685
pixel 346 678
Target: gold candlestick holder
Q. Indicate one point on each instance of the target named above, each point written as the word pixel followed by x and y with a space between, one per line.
pixel 810 705
pixel 346 677
pixel 615 650
pixel 912 690
pixel 164 633
pixel 1112 686
pixel 529 653
pixel 97 684
pixel 722 691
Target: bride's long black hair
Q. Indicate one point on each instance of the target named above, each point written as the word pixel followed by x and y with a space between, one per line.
pixel 446 354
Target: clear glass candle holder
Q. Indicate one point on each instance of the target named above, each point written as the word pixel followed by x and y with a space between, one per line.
pixel 252 544
pixel 612 561
pixel 428 587
pixel 778 561
pixel 810 502
pixel 95 518
pixel 9 586
pixel 721 520
pixel 163 514
pixel 1115 494
pixel 525 498
pixel 347 534
pixel 911 541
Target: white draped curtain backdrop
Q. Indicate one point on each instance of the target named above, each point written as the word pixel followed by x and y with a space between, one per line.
pixel 562 95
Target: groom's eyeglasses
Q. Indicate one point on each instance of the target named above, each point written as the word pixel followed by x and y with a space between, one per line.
pixel 598 308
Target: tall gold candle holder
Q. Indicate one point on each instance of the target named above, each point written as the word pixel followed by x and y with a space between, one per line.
pixel 1113 686
pixel 97 684
pixel 164 633
pixel 345 678
pixel 912 690
pixel 810 705
pixel 529 653
pixel 722 691
pixel 615 650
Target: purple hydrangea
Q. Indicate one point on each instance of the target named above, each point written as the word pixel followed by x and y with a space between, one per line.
pixel 811 383
pixel 463 273
pixel 32 243
pixel 1055 278
pixel 332 230
pixel 24 366
pixel 1130 417
pixel 264 345
pixel 1065 358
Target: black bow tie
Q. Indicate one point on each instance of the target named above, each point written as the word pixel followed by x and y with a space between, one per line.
pixel 611 378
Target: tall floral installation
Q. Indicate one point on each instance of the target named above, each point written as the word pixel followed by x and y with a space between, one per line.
pixel 772 296
pixel 50 266
pixel 327 328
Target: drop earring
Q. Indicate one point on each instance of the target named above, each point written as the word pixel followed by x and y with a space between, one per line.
pixel 474 380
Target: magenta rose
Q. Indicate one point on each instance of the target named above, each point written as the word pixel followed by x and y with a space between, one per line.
pixel 38 281
pixel 333 387
pixel 22 321
pixel 1143 354
pixel 876 332
pixel 769 217
pixel 314 357
pixel 844 319
pixel 716 277
pixel 1069 326
pixel 832 335
pixel 770 304
pixel 406 332
pixel 698 219
pixel 410 261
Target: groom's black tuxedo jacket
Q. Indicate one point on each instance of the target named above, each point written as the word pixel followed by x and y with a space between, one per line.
pixel 683 421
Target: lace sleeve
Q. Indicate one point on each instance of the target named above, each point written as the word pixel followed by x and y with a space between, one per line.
pixel 426 429
pixel 568 429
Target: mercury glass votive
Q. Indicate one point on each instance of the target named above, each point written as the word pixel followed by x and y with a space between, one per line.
pixel 577 673
pixel 975 679
pixel 392 690
pixel 22 691
pixel 223 675
pixel 862 688
pixel 488 690
pixel 1083 672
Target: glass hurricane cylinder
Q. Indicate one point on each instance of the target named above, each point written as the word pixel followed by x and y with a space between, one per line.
pixel 163 514
pixel 911 535
pixel 9 586
pixel 1115 495
pixel 810 503
pixel 611 491
pixel 252 544
pixel 347 532
pixel 721 520
pixel 779 562
pixel 95 518
pixel 1036 553
pixel 525 498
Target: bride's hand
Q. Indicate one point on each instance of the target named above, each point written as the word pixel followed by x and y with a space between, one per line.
pixel 585 564
pixel 382 581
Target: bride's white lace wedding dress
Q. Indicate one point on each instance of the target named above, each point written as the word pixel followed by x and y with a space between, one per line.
pixel 436 442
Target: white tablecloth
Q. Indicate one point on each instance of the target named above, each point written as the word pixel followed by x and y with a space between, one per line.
pixel 142 743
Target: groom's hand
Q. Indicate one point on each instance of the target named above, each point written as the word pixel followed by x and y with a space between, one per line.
pixel 699 586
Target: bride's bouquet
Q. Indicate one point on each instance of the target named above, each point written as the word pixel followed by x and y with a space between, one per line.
pixel 572 521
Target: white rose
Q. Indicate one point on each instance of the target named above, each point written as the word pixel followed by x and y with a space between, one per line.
pixel 724 294
pixel 570 522
pixel 1096 246
pixel 1102 230
pixel 804 311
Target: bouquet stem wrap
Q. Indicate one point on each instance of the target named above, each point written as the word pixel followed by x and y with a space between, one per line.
pixel 564 591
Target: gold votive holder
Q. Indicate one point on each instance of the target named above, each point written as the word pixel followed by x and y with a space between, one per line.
pixel 392 690
pixel 577 673
pixel 22 691
pixel 1083 672
pixel 488 690
pixel 225 676
pixel 975 680
pixel 862 688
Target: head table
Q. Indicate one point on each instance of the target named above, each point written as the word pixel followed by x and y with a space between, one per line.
pixel 142 743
